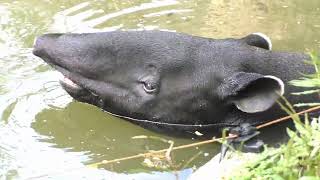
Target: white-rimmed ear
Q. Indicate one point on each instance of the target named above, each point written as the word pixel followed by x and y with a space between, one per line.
pixel 258 40
pixel 252 92
pixel 280 82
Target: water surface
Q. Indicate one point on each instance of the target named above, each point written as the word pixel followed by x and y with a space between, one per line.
pixel 46 135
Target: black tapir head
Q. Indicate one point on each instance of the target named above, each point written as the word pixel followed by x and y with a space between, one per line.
pixel 171 81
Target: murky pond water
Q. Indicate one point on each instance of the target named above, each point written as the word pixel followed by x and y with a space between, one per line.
pixel 45 135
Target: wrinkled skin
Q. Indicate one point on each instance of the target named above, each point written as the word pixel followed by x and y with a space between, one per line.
pixel 155 77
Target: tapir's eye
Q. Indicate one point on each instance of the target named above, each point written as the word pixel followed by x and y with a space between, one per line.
pixel 149 87
pixel 150 83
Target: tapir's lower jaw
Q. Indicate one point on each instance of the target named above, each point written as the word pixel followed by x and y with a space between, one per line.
pixel 74 89
pixel 79 93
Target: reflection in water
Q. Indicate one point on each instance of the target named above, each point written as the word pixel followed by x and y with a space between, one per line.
pixel 43 134
pixel 101 137
pixel 286 22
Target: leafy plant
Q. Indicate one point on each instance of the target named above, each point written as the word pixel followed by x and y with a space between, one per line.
pixel 300 157
pixel 309 81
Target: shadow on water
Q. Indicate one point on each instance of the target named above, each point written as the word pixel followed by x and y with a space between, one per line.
pixel 44 134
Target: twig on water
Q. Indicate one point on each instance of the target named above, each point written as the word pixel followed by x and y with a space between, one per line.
pixel 171 148
pixel 204 142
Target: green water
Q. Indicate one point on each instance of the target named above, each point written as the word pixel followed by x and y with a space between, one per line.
pixel 45 135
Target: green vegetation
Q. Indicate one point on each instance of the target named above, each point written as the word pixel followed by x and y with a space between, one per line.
pixel 300 157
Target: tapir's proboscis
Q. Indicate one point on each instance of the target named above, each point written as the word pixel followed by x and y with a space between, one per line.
pixel 174 82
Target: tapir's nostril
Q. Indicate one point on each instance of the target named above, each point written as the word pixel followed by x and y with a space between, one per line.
pixel 37 45
pixel 43 42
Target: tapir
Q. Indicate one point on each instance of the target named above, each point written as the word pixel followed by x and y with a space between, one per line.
pixel 176 83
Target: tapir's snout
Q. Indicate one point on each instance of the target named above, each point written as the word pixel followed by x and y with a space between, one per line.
pixel 71 52
pixel 44 42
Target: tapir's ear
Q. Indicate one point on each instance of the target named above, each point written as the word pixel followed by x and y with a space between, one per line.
pixel 259 40
pixel 251 92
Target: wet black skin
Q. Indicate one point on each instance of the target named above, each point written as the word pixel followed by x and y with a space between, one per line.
pixel 173 78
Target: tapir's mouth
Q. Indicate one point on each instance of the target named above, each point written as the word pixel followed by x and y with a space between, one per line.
pixel 73 88
pixel 65 81
pixel 69 84
pixel 79 92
